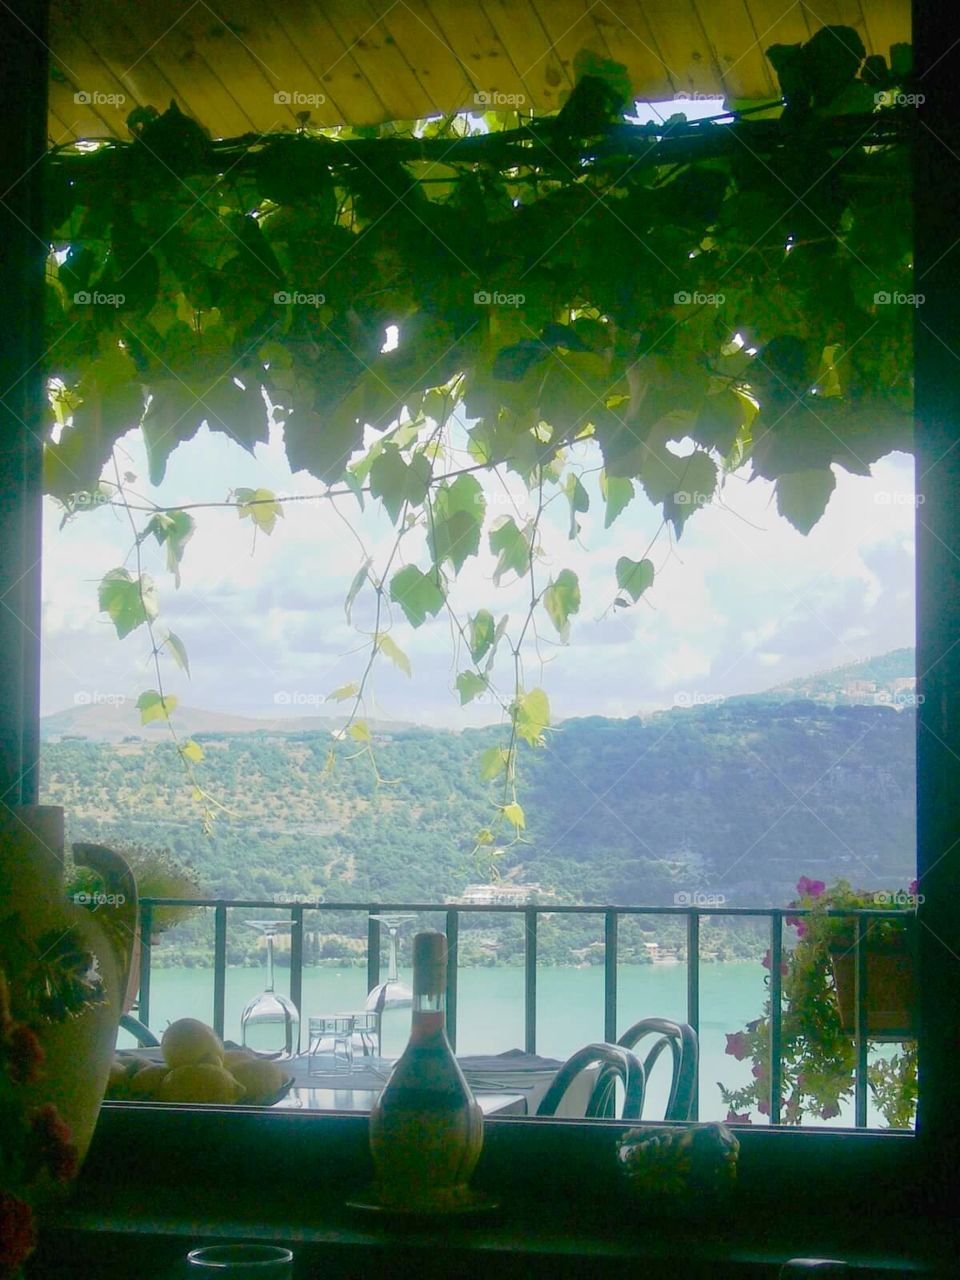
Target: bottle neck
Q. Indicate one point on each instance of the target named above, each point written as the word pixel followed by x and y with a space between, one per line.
pixel 429 1016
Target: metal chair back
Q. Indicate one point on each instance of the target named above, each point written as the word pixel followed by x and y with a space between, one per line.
pixel 685 1050
pixel 616 1063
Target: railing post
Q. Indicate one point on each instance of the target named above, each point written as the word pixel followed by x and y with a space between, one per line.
pixel 610 976
pixel 146 952
pixel 296 962
pixel 860 1022
pixel 219 966
pixel 776 1016
pixel 530 980
pixel 373 949
pixel 453 942
pixel 693 994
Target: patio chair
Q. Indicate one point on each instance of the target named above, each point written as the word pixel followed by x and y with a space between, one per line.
pixel 616 1063
pixel 140 1032
pixel 685 1049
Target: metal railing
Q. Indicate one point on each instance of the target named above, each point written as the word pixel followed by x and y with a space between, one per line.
pixel 531 913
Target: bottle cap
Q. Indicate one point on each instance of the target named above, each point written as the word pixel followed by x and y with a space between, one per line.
pixel 429 964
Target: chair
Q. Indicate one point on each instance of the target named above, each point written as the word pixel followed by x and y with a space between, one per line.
pixel 685 1049
pixel 140 1032
pixel 616 1063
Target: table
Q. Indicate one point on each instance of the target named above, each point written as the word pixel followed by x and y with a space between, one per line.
pixel 346 1097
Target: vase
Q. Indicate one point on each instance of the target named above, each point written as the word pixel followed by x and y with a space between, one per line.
pixel 38 923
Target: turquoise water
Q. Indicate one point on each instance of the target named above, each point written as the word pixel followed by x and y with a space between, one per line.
pixel 490 1016
pixel 490 1012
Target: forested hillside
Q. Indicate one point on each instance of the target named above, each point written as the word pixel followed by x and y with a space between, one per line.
pixel 737 798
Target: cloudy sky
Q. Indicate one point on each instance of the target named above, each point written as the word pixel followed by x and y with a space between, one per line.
pixel 740 603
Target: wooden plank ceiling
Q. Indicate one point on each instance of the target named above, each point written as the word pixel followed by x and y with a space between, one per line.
pixel 249 66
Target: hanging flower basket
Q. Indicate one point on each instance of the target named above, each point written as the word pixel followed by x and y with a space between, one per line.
pixel 891 988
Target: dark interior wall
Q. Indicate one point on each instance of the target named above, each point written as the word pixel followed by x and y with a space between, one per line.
pixel 23 140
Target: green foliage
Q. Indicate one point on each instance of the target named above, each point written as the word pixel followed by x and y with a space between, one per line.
pixel 818 1056
pixel 573 280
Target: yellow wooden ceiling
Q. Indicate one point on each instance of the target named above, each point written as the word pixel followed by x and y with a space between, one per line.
pixel 249 65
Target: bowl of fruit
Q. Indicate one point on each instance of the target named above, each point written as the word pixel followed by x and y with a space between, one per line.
pixel 192 1065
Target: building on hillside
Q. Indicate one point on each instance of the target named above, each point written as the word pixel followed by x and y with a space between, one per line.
pixel 499 894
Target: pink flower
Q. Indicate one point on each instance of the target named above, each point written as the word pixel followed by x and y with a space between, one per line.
pixel 913 887
pixel 55 1142
pixel 759 1071
pixel 734 1117
pixel 798 923
pixel 18 1239
pixel 737 1046
pixel 763 1108
pixel 767 962
pixel 24 1054
pixel 829 1110
pixel 810 888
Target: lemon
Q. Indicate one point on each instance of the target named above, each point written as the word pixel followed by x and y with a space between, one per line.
pixel 200 1082
pixel 133 1062
pixel 117 1080
pixel 146 1083
pixel 234 1057
pixel 260 1077
pixel 188 1041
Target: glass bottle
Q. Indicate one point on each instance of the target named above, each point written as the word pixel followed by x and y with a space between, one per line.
pixel 426 1129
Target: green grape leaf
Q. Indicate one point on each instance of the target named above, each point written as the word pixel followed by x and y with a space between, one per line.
pixel 397 482
pixel 359 579
pixel 260 505
pixel 531 713
pixel 480 632
pixel 178 652
pixel 173 530
pixel 154 707
pixel 418 594
pixel 390 649
pixel 458 513
pixel 514 814
pixel 634 576
pixel 469 686
pixel 344 693
pixel 191 751
pixel 129 601
pixel 617 492
pixel 359 731
pixel 493 762
pixel 579 501
pixel 561 599
pixel 802 496
pixel 512 547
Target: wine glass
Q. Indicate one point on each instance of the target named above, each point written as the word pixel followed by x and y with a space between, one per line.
pixel 392 994
pixel 270 1022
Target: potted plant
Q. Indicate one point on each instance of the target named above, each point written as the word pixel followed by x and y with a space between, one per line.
pixel 818 1053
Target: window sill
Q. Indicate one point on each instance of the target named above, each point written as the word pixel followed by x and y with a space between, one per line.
pixel 158 1176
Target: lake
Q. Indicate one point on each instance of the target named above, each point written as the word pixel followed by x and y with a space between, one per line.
pixel 490 1010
